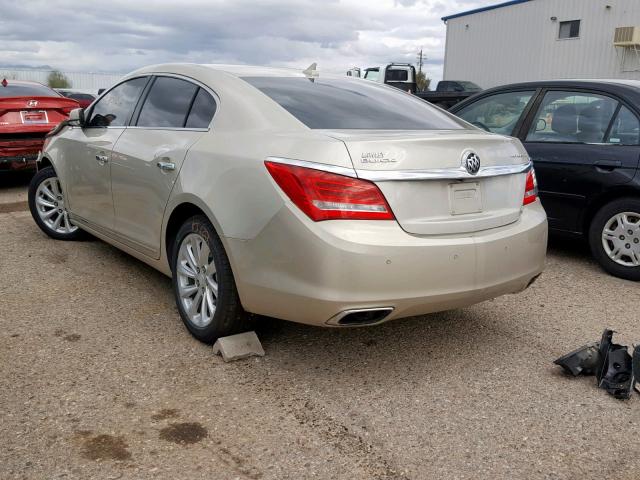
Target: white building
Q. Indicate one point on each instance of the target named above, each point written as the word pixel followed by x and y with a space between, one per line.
pixel 84 81
pixel 523 40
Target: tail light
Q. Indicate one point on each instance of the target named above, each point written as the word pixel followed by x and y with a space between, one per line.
pixel 329 196
pixel 531 188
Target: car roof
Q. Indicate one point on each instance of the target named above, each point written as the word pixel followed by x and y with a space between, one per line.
pixel 577 82
pixel 237 71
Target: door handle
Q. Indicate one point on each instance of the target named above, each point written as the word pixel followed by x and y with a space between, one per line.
pixel 166 166
pixel 102 159
pixel 607 165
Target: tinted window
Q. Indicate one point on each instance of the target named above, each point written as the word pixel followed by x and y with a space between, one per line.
pixel 625 129
pixel 498 113
pixel 397 75
pixel 81 96
pixel 26 90
pixel 116 107
pixel 572 117
pixel 569 29
pixel 352 104
pixel 204 106
pixel 167 104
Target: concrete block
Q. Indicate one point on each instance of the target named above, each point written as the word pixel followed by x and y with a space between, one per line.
pixel 236 347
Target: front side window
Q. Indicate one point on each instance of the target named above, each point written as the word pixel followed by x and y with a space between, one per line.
pixel 167 104
pixel 116 107
pixel 572 117
pixel 498 113
pixel 625 129
pixel 570 29
pixel 352 104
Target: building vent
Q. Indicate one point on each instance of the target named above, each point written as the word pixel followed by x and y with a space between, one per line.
pixel 626 36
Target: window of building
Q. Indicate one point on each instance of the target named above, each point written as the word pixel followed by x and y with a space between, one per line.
pixel 569 29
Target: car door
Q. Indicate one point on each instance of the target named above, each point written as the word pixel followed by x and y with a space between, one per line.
pixel 149 154
pixel 88 148
pixel 500 112
pixel 576 157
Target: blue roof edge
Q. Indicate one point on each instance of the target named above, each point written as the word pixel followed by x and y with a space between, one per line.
pixel 483 9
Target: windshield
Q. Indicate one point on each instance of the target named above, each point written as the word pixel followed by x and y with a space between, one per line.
pixel 352 104
pixel 371 74
pixel 26 90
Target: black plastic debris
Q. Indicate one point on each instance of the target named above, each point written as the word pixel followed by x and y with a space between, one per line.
pixel 584 360
pixel 614 368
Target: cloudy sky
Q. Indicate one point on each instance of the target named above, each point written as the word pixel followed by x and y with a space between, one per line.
pixel 121 35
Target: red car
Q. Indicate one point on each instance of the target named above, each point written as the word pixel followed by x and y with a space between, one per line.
pixel 28 110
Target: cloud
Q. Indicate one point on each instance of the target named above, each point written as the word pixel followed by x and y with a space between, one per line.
pixel 121 35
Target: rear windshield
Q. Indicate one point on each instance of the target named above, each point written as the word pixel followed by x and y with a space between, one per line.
pixel 23 90
pixel 352 104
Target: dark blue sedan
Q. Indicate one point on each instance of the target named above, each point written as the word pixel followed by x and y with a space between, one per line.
pixel 584 139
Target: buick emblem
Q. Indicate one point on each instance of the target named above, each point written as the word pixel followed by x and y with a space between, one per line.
pixel 32 103
pixel 471 162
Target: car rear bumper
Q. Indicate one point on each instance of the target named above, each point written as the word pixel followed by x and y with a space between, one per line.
pixel 310 272
pixel 20 154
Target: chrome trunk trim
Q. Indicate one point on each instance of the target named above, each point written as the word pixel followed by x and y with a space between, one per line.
pixel 458 173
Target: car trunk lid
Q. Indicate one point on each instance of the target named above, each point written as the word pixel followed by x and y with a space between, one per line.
pixel 23 114
pixel 424 181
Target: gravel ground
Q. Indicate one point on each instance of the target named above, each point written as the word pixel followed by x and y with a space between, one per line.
pixel 99 379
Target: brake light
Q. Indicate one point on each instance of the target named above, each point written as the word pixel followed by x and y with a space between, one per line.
pixel 531 188
pixel 329 196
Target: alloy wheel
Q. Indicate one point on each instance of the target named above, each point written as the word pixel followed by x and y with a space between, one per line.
pixel 197 280
pixel 51 207
pixel 621 239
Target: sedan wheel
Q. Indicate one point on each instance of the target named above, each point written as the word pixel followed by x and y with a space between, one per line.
pixel 197 282
pixel 614 237
pixel 48 206
pixel 203 283
pixel 621 239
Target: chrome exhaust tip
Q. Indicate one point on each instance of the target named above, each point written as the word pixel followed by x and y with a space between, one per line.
pixel 360 317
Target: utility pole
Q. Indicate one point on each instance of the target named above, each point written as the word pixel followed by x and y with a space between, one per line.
pixel 420 61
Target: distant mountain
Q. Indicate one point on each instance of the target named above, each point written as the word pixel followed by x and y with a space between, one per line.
pixel 26 67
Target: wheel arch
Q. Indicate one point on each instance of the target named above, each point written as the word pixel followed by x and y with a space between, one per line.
pixel 182 210
pixel 604 198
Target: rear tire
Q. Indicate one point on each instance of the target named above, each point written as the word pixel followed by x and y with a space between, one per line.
pixel 48 207
pixel 203 283
pixel 614 238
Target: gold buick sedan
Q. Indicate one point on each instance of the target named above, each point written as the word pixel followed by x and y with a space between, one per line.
pixel 308 197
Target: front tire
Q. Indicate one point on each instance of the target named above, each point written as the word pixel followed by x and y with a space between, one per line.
pixel 203 283
pixel 614 238
pixel 48 206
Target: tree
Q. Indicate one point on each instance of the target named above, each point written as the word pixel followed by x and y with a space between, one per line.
pixel 57 79
pixel 422 81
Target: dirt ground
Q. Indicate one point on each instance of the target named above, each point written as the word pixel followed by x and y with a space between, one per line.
pixel 99 379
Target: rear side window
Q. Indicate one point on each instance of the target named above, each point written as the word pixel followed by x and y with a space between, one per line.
pixel 167 104
pixel 625 129
pixel 26 90
pixel 572 117
pixel 352 104
pixel 116 107
pixel 204 106
pixel 397 75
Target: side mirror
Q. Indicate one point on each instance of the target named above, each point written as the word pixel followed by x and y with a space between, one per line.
pixel 76 117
